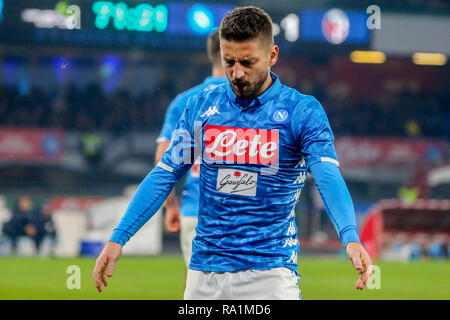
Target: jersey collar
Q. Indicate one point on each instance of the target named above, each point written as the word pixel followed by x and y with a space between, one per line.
pixel 267 95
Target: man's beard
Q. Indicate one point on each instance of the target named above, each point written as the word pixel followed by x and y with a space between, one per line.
pixel 251 91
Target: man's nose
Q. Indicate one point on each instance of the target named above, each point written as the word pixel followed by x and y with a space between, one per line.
pixel 238 71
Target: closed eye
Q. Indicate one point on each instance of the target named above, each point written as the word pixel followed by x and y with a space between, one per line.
pixel 229 62
pixel 246 63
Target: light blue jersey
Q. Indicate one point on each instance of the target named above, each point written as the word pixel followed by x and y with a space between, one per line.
pixel 190 195
pixel 255 158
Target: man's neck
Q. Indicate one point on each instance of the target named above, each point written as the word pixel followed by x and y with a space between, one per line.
pixel 218 72
pixel 267 83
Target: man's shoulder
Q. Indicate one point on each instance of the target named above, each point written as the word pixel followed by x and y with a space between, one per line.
pixel 297 100
pixel 212 91
pixel 180 101
pixel 201 89
pixel 207 96
pixel 185 95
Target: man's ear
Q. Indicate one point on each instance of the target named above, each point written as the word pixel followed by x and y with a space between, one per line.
pixel 273 55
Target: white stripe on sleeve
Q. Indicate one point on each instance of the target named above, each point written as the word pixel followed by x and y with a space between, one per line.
pixel 165 166
pixel 327 159
pixel 162 139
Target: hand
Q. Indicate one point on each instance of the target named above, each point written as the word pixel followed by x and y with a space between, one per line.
pixel 30 230
pixel 172 219
pixel 361 261
pixel 106 262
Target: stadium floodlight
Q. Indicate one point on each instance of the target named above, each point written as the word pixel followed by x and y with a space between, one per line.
pixel 430 59
pixel 1 9
pixel 291 26
pixel 367 56
pixel 200 19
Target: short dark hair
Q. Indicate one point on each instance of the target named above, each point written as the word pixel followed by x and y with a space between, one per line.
pixel 247 23
pixel 213 47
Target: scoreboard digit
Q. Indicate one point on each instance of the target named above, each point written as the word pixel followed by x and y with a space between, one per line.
pixel 142 18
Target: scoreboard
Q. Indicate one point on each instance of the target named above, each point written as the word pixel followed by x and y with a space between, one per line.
pixel 175 18
pixel 166 25
pixel 144 17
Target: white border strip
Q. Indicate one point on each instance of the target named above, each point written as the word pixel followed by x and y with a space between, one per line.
pixel 161 139
pixel 164 166
pixel 327 159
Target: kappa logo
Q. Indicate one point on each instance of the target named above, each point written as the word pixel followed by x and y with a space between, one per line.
pixel 280 115
pixel 210 112
pixel 210 87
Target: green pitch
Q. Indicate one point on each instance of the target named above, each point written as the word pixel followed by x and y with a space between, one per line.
pixel 163 278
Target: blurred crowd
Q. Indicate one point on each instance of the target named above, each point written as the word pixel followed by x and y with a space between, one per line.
pixel 409 113
pixel 414 246
pixel 84 109
pixel 30 221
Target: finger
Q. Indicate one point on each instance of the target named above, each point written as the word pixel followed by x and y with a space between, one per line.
pixel 357 264
pixel 97 281
pixel 173 227
pixel 98 285
pixel 111 268
pixel 367 262
pixel 104 280
pixel 360 284
pixel 364 277
pixel 101 274
pixel 98 274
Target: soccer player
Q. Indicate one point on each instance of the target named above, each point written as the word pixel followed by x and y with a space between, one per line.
pixel 258 139
pixel 190 198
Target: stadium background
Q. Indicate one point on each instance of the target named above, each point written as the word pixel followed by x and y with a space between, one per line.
pixel 83 97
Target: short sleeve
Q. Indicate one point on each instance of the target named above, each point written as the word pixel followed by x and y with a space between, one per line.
pixel 314 134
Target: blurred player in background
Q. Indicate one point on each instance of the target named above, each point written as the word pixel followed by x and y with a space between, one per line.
pixel 190 198
pixel 27 221
pixel 258 139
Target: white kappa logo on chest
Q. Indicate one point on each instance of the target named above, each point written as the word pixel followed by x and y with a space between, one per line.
pixel 210 112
